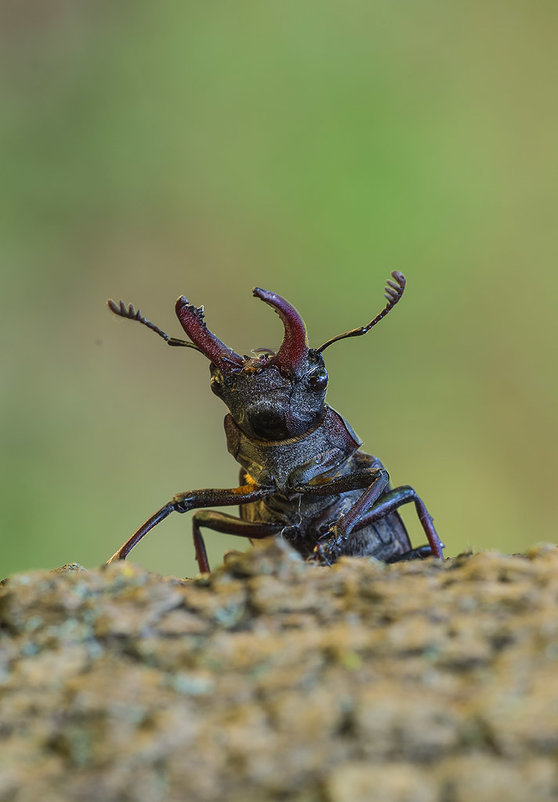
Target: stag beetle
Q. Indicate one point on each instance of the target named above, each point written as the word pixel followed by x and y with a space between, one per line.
pixel 303 475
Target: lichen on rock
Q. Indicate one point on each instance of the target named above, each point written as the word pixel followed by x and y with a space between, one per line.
pixel 273 679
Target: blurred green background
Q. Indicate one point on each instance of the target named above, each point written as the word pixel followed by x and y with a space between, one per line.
pixel 154 149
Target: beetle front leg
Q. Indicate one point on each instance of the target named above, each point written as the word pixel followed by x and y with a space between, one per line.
pixel 127 547
pixel 183 502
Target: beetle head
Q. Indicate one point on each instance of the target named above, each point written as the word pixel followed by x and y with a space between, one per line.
pixel 270 405
pixel 274 395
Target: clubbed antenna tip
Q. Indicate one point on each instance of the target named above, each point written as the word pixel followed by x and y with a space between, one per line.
pixel 132 313
pixel 393 292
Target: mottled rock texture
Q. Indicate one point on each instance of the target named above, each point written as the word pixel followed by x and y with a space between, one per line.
pixel 273 679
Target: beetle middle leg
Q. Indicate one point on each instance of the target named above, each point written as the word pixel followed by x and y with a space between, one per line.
pixel 396 498
pixel 229 525
pixel 367 510
pixel 375 479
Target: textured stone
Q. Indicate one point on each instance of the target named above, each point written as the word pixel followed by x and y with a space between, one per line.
pixel 273 679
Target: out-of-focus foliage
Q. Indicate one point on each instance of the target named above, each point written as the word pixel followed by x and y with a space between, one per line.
pixel 154 149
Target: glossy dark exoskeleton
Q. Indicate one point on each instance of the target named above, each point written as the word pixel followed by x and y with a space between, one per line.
pixel 303 475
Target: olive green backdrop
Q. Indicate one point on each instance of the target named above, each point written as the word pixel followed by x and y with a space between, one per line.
pixel 309 147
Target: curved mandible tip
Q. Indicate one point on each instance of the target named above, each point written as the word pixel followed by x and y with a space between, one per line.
pixel 192 321
pixel 294 348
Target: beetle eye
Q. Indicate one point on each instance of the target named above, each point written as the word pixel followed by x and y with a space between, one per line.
pixel 318 379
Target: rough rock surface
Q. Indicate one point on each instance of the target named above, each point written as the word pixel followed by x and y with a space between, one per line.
pixel 277 680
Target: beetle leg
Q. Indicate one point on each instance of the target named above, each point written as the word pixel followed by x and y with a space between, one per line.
pixel 332 543
pixel 229 525
pixel 127 547
pixel 396 498
pixel 358 480
pixel 183 502
pixel 370 508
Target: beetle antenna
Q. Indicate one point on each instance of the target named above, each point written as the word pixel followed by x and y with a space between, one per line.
pixel 135 314
pixel 394 291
